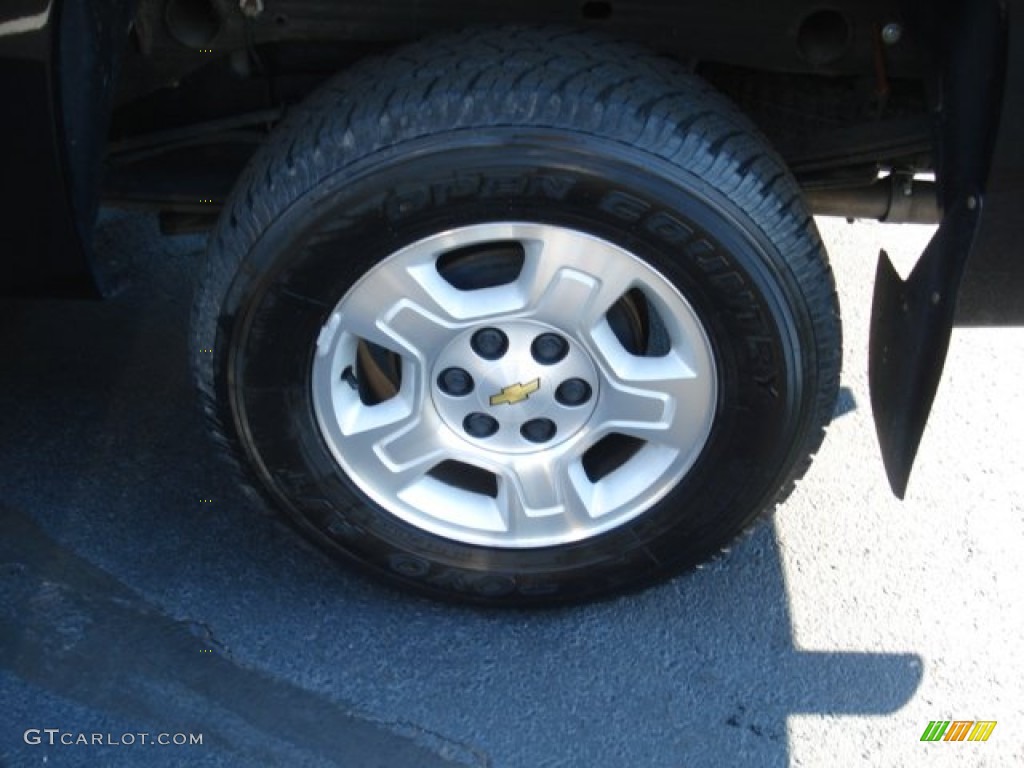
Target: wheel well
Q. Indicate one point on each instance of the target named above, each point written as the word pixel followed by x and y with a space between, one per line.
pixel 838 89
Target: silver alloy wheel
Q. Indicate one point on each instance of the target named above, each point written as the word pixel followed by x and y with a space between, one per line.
pixel 520 416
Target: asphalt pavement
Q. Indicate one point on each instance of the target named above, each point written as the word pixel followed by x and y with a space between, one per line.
pixel 141 593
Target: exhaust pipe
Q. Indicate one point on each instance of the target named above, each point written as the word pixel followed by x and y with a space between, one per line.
pixel 895 199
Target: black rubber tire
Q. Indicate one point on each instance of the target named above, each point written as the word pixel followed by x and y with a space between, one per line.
pixel 547 125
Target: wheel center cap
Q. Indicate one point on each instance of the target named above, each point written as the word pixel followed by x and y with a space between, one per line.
pixel 515 386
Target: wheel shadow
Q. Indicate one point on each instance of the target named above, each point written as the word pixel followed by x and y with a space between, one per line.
pixel 141 592
pixel 845 403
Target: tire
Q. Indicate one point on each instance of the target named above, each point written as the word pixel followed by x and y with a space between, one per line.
pixel 413 277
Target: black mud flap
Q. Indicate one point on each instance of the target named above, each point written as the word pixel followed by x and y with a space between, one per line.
pixel 912 320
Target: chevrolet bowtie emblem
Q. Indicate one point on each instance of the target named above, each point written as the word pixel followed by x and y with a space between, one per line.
pixel 515 393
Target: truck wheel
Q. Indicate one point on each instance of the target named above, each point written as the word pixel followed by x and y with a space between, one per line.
pixel 518 317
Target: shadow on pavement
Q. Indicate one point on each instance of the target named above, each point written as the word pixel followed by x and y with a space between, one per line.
pixel 117 581
pixel 845 403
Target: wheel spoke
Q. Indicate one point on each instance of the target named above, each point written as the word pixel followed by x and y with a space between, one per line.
pixel 415 325
pixel 657 399
pixel 538 497
pixel 411 454
pixel 405 444
pixel 530 487
pixel 566 293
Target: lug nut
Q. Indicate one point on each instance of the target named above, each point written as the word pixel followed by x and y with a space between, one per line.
pixel 538 430
pixel 489 343
pixel 549 348
pixel 573 392
pixel 455 382
pixel 479 425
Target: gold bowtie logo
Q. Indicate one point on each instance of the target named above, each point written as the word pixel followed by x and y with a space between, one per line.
pixel 515 393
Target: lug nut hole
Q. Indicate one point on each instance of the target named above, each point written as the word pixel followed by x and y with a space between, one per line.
pixel 455 382
pixel 479 425
pixel 538 430
pixel 549 348
pixel 489 343
pixel 573 392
